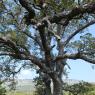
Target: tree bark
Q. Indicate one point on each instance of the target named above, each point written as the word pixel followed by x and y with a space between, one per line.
pixel 57 87
pixel 48 88
pixel 48 91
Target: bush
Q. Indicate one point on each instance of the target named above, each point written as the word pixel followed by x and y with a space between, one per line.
pixel 40 87
pixel 2 89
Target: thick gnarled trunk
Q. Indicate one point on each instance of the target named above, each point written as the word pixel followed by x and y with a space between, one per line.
pixel 57 87
pixel 57 84
pixel 53 84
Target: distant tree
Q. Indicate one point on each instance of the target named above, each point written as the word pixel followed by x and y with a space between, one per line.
pixel 40 34
pixel 40 86
pixel 81 88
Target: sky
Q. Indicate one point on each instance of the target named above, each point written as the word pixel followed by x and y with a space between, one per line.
pixel 80 70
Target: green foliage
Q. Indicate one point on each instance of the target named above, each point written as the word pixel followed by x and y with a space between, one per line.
pixel 80 88
pixel 15 36
pixel 2 89
pixel 2 7
pixel 40 87
pixel 85 45
pixel 18 93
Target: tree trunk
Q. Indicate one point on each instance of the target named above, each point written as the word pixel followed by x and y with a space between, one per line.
pixel 57 87
pixel 48 89
pixel 47 81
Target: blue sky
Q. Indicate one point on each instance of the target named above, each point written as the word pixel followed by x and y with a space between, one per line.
pixel 80 70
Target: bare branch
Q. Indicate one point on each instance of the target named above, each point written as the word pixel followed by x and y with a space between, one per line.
pixel 77 31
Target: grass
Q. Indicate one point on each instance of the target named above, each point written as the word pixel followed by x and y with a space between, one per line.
pixel 31 93
pixel 19 93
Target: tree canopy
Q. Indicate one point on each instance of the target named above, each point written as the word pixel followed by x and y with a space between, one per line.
pixel 42 33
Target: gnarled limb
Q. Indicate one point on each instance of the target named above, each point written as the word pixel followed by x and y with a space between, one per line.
pixel 77 31
pixel 75 57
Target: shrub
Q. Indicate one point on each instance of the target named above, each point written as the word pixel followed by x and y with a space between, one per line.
pixel 2 89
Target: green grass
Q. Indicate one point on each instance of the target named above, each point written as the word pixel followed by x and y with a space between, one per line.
pixel 31 93
pixel 19 93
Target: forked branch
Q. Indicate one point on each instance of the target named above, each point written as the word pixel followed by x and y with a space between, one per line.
pixel 77 31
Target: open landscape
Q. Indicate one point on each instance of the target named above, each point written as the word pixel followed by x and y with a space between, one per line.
pixel 23 87
pixel 27 87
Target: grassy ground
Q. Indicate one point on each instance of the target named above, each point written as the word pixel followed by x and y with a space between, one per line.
pixel 32 93
pixel 28 93
pixel 20 93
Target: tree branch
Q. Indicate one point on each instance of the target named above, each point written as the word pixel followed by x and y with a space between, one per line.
pixel 7 53
pixel 66 16
pixel 10 44
pixel 17 54
pixel 75 57
pixel 85 58
pixel 88 8
pixel 32 58
pixel 77 31
pixel 35 39
pixel 45 45
pixel 27 5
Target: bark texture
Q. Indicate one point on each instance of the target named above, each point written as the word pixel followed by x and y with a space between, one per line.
pixel 57 85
